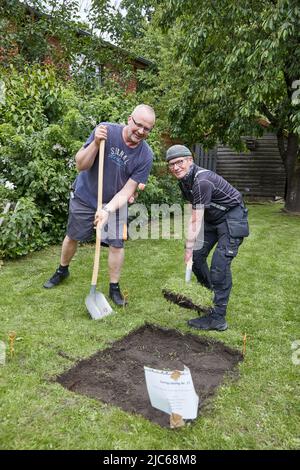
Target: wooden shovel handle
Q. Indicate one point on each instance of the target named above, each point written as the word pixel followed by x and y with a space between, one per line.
pixel 99 206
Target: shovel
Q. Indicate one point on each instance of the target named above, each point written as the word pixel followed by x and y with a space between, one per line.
pixel 95 302
pixel 188 270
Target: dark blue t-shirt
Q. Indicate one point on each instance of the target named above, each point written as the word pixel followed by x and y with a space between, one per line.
pixel 120 164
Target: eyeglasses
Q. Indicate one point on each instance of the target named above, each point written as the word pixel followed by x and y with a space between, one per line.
pixel 140 126
pixel 179 163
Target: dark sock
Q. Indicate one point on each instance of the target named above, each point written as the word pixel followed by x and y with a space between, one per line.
pixel 63 269
pixel 114 285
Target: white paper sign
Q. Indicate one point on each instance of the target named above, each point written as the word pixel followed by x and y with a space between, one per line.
pixel 172 391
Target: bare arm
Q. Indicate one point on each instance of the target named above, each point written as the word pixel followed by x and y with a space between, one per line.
pixel 194 227
pixel 116 202
pixel 122 196
pixel 85 157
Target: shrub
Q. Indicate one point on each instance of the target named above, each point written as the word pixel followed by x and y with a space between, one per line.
pixel 32 98
pixel 21 231
pixel 160 190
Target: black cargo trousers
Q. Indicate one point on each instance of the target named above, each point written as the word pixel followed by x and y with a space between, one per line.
pixel 228 236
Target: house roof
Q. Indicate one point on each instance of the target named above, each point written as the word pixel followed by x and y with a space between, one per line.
pixel 82 32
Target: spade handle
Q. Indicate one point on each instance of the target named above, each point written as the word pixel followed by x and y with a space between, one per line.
pixel 99 206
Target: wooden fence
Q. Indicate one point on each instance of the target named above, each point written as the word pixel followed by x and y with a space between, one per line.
pixel 258 173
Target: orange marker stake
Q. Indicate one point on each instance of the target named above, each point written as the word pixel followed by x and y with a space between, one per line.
pixel 244 344
pixel 12 336
pixel 125 295
pixel 125 235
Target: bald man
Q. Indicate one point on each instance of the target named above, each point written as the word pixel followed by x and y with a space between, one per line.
pixel 127 164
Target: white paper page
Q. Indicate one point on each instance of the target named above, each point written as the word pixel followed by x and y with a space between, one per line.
pixel 172 392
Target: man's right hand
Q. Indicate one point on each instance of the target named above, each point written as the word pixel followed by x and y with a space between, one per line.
pixel 100 134
pixel 188 253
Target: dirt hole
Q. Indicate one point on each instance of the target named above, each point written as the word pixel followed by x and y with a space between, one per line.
pixel 116 375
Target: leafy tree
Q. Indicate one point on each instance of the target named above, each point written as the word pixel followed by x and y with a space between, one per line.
pixel 51 32
pixel 125 22
pixel 32 32
pixel 226 69
pixel 230 65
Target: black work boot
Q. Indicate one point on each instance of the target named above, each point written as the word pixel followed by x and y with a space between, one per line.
pixel 209 322
pixel 60 274
pixel 116 295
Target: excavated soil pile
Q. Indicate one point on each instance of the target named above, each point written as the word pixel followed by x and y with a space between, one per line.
pixel 184 301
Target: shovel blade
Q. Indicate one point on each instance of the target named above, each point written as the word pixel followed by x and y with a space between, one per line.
pixel 97 306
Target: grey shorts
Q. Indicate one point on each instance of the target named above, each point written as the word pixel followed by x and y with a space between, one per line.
pixel 81 224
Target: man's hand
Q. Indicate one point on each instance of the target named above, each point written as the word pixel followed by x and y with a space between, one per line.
pixel 101 217
pixel 100 134
pixel 188 254
pixel 132 198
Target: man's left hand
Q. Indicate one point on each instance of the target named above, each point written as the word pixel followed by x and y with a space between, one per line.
pixel 132 198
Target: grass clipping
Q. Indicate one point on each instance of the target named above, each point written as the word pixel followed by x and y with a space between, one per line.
pixel 190 295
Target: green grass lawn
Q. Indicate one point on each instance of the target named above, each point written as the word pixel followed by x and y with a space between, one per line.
pixel 259 411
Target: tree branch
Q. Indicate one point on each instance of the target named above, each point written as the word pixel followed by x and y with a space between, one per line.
pixel 273 119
